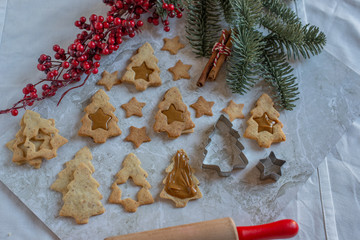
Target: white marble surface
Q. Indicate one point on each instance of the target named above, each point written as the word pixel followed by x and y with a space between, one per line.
pixel 329 103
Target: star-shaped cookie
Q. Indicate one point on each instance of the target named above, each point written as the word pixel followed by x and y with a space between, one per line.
pixel 202 107
pixel 234 110
pixel 172 45
pixel 133 107
pixel 137 136
pixel 180 70
pixel 108 80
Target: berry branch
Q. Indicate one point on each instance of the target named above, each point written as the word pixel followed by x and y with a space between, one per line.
pixel 100 36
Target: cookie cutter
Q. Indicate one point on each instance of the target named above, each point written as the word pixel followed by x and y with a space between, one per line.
pixel 270 167
pixel 236 160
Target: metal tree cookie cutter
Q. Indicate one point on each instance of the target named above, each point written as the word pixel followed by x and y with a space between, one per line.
pixel 226 157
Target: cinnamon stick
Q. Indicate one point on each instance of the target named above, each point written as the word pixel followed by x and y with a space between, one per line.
pixel 215 70
pixel 209 65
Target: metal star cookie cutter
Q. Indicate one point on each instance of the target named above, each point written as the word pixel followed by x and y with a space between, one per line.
pixel 270 167
pixel 229 156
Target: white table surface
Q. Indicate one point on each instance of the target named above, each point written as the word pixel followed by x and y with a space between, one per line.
pixel 327 206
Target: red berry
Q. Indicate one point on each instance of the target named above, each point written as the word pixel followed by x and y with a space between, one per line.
pixel 95 71
pixel 74 63
pixel 119 5
pixel 106 25
pixel 55 72
pixel 166 28
pixel 139 11
pixel 91 44
pixel 166 22
pixel 61 51
pixel 30 87
pixel 165 6
pixel 45 87
pixel 50 75
pixel 111 40
pixel 33 95
pixel 57 56
pixel 155 21
pixel 66 76
pixel 93 17
pixel 171 7
pixel 105 51
pixel 179 15
pixel 155 15
pixel 139 23
pixel 78 24
pixel 101 18
pixel 39 67
pixel 83 19
pixel 109 19
pixel 43 57
pixel 56 48
pixel 98 26
pixel 29 103
pixel 150 19
pixel 25 90
pixel 14 112
pixel 131 23
pixel 132 34
pixel 119 41
pixel 96 37
pixel 96 64
pixel 80 48
pixel 117 21
pixel 97 57
pixel 171 14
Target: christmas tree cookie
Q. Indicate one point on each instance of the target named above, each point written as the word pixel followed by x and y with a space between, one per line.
pixel 82 199
pixel 37 139
pixel 99 121
pixel 173 116
pixel 131 169
pixel 264 125
pixel 181 185
pixel 67 174
pixel 143 71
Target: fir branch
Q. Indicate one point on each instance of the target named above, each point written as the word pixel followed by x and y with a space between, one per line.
pixel 228 11
pixel 288 33
pixel 248 12
pixel 202 26
pixel 281 10
pixel 278 73
pixel 244 63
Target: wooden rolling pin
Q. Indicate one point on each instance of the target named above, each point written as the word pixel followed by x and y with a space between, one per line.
pixel 219 229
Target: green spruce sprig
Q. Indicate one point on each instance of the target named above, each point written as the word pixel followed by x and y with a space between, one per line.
pixel 203 28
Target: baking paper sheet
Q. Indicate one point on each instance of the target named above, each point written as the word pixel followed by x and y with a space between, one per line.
pixel 328 104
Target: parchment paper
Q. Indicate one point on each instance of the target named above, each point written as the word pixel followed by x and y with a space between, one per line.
pixel 329 102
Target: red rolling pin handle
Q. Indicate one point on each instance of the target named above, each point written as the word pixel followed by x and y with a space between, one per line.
pixel 286 228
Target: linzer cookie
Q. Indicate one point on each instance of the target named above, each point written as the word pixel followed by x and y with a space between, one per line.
pixel 82 199
pixel 181 185
pixel 263 124
pixel 67 174
pixel 172 45
pixel 143 71
pixel 173 116
pixel 37 139
pixel 99 121
pixel 131 169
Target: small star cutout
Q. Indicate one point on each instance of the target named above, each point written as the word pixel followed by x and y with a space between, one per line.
pixel 172 45
pixel 180 70
pixel 137 136
pixel 202 107
pixel 133 107
pixel 108 80
pixel 270 167
pixel 265 123
pixel 234 110
pixel 99 120
pixel 142 72
pixel 173 115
